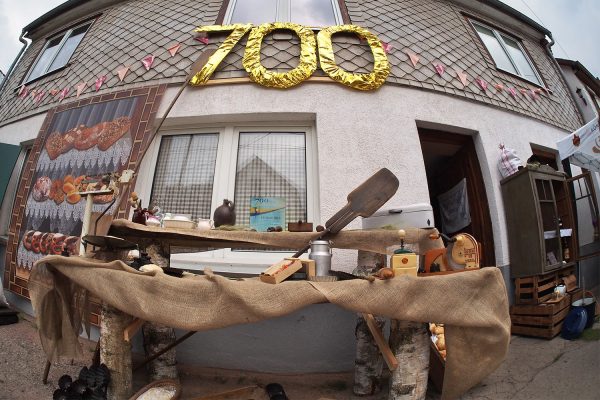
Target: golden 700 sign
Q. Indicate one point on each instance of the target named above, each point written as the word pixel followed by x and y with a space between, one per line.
pixel 308 56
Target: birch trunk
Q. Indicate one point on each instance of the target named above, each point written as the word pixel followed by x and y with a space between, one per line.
pixel 410 343
pixel 115 352
pixel 156 336
pixel 368 364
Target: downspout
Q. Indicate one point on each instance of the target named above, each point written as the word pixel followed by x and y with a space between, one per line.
pixel 548 46
pixel 16 60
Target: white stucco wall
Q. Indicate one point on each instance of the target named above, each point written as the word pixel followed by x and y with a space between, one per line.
pixel 23 130
pixel 360 132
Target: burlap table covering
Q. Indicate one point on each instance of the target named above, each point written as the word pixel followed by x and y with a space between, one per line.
pixel 473 305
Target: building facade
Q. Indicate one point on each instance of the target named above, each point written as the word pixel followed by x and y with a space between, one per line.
pixel 463 78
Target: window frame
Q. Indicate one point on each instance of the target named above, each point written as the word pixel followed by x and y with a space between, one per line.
pixel 66 34
pixel 498 34
pixel 226 260
pixel 339 11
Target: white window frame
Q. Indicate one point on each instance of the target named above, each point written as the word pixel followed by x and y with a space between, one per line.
pixel 226 260
pixel 499 36
pixel 66 35
pixel 283 10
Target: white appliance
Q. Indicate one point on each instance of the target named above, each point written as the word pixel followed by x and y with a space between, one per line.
pixel 418 215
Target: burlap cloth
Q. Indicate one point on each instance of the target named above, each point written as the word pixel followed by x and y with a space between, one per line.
pixel 473 305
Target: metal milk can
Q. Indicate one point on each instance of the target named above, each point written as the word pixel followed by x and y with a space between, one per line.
pixel 320 252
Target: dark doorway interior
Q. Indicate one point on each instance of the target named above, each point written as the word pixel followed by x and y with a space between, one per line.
pixel 450 158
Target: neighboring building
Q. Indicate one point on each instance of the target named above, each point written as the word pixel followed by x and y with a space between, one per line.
pixel 465 76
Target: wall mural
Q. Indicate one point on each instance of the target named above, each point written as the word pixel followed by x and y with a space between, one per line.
pixel 84 144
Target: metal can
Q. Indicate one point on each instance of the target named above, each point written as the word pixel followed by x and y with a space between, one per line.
pixel 320 252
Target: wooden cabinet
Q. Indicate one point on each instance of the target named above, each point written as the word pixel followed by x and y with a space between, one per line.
pixel 539 218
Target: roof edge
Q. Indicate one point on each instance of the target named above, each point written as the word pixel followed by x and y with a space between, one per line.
pixel 55 12
pixel 500 6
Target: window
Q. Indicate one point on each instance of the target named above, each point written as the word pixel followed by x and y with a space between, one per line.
pixel 314 13
pixel 507 52
pixel 191 172
pixel 57 51
pixel 6 203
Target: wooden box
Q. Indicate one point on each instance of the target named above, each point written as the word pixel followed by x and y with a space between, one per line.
pixel 281 270
pixel 542 320
pixel 300 226
pixel 539 288
pixel 437 367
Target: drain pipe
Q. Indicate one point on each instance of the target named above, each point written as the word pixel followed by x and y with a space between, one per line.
pixel 16 60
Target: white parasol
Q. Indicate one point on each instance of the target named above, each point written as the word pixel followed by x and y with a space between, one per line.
pixel 582 146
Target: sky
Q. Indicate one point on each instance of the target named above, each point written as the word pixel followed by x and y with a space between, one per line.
pixel 573 23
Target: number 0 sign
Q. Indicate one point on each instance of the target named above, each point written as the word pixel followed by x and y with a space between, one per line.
pixel 308 56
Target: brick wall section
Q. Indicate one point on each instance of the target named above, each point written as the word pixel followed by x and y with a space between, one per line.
pixel 142 132
pixel 437 31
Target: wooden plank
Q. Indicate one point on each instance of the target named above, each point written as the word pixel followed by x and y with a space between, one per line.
pixel 540 320
pixel 388 355
pixel 132 328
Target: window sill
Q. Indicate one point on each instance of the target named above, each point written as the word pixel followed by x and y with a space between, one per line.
pixel 519 77
pixel 54 71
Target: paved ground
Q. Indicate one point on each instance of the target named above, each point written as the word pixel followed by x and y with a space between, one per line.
pixel 535 369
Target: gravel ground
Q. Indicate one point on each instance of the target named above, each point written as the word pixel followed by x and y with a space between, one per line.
pixel 534 369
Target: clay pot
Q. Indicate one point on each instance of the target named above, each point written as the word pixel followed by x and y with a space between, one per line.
pixel 224 214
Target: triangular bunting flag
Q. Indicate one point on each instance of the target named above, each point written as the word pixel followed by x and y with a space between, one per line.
pixel 39 96
pixel 148 61
pixel 54 92
pixel 63 94
pixel 33 93
pixel 80 88
pixel 499 87
pixel 202 38
pixel 414 59
pixel 462 77
pixel 122 72
pixel 439 68
pixel 538 91
pixel 523 92
pixel 533 95
pixel 512 92
pixel 23 91
pixel 174 49
pixel 482 84
pixel 99 82
pixel 387 47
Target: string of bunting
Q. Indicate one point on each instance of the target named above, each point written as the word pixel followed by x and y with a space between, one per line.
pixel 148 62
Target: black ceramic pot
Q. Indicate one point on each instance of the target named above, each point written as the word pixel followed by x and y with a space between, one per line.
pixel 224 214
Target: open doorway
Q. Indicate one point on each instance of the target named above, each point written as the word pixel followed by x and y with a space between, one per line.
pixel 452 167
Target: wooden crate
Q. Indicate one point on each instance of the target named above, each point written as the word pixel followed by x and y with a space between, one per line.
pixel 542 320
pixel 437 367
pixel 539 288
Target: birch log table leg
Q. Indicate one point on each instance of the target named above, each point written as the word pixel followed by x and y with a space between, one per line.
pixel 368 364
pixel 157 336
pixel 410 343
pixel 115 352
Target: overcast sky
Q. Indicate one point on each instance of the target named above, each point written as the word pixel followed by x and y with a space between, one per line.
pixel 573 23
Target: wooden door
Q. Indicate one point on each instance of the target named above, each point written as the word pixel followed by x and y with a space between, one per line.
pixel 462 164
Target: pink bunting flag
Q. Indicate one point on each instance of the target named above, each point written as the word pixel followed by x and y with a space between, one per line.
pixel 512 92
pixel 523 92
pixel 23 91
pixel 533 95
pixel 538 91
pixel 414 59
pixel 174 49
pixel 202 38
pixel 387 47
pixel 499 87
pixel 80 88
pixel 63 94
pixel 148 61
pixel 482 84
pixel 39 96
pixel 439 68
pixel 33 93
pixel 122 72
pixel 462 77
pixel 54 92
pixel 99 82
